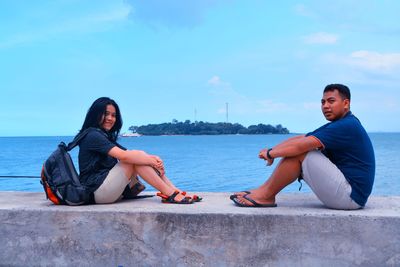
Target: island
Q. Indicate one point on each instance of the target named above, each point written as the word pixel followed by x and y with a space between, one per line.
pixel 205 128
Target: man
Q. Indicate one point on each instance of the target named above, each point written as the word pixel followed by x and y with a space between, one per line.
pixel 336 160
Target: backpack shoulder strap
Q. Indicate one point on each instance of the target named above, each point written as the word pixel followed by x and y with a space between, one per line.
pixel 80 136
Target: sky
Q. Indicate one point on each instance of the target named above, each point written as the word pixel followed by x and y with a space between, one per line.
pixel 185 60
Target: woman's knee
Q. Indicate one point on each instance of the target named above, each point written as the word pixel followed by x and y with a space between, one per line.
pixel 128 168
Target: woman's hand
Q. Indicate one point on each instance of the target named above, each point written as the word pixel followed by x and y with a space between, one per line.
pixel 263 155
pixel 158 164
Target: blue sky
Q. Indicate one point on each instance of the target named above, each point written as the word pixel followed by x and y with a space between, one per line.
pixel 164 60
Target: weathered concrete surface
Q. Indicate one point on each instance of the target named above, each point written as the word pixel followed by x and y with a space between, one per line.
pixel 300 232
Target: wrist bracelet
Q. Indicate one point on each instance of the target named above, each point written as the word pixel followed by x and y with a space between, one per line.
pixel 268 155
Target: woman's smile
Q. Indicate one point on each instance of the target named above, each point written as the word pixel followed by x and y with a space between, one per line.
pixel 109 118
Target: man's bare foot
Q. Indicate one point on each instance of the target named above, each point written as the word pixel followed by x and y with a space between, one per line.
pixel 245 199
pixel 242 193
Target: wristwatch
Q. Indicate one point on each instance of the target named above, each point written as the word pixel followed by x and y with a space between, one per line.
pixel 269 155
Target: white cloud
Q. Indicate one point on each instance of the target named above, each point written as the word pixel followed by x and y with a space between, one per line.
pixel 172 13
pixel 386 103
pixel 321 38
pixel 269 106
pixel 240 103
pixel 215 81
pixel 91 22
pixel 311 106
pixel 364 67
pixel 302 10
pixel 117 14
pixel 374 61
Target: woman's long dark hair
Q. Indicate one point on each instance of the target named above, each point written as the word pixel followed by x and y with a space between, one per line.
pixel 96 112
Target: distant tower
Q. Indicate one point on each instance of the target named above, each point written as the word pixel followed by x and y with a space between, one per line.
pixel 195 116
pixel 227 113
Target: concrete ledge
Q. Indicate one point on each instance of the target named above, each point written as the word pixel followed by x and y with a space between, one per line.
pixel 299 232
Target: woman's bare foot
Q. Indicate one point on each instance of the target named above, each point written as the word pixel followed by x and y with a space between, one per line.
pixel 174 197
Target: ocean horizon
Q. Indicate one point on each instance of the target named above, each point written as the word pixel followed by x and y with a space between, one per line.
pixel 121 134
pixel 210 163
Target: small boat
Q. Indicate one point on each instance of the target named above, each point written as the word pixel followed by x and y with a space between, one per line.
pixel 130 135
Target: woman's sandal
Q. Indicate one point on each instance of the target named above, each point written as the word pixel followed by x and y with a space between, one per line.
pixel 171 199
pixel 195 198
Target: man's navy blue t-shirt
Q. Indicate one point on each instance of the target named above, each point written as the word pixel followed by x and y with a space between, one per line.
pixel 347 145
pixel 94 161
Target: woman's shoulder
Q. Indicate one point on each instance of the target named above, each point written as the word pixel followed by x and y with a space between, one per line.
pixel 95 133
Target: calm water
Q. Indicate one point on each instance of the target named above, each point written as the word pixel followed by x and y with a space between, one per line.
pixel 221 163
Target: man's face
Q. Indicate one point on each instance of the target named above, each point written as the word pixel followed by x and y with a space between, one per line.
pixel 333 106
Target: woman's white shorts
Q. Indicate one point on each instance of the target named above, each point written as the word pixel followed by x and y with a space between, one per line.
pixel 113 186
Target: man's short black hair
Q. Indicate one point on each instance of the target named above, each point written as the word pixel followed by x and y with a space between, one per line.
pixel 343 90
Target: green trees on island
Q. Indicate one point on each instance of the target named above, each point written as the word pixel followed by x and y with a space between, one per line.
pixel 205 128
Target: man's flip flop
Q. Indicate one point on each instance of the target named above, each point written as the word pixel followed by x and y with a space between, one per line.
pixel 255 204
pixel 235 196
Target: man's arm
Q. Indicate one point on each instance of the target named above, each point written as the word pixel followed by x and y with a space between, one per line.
pixel 292 147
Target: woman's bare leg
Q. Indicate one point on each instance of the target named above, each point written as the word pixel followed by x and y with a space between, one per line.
pixel 168 182
pixel 151 177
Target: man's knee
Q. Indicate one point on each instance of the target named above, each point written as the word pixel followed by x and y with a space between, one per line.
pixel 301 157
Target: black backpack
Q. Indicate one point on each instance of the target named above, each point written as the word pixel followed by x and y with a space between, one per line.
pixel 59 177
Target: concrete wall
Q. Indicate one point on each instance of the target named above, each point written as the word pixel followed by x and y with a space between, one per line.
pixel 299 232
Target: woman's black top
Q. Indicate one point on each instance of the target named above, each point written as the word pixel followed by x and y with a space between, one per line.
pixel 94 161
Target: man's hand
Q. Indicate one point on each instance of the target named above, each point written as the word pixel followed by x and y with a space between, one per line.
pixel 263 155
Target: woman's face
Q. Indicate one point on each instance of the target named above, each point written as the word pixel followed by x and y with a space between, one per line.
pixel 109 117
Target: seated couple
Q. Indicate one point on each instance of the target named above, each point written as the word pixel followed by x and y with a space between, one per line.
pixel 336 160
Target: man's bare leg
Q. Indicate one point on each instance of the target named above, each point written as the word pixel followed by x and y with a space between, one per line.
pixel 287 171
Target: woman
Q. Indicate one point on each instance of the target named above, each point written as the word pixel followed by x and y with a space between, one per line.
pixel 106 168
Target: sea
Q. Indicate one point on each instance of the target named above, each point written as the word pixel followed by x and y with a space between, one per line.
pixel 204 163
